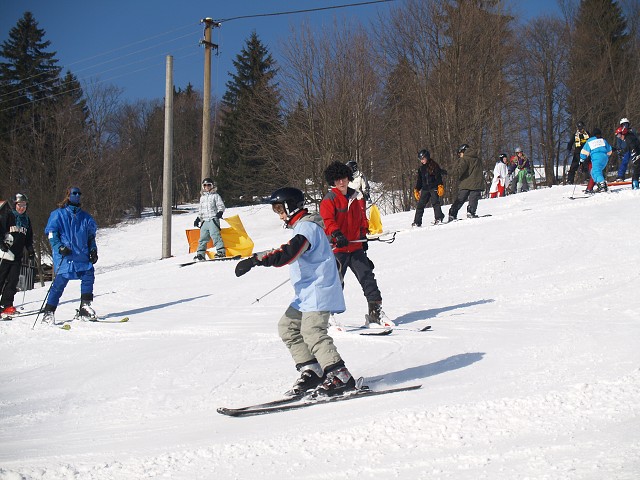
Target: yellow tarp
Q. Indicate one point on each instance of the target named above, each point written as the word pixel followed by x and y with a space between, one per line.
pixel 375 222
pixel 235 238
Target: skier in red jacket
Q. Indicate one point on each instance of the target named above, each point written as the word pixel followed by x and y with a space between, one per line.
pixel 343 210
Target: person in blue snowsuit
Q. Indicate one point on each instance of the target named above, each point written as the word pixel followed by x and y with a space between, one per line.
pixel 599 150
pixel 318 293
pixel 72 234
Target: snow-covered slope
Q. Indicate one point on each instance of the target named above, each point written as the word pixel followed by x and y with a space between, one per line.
pixel 531 370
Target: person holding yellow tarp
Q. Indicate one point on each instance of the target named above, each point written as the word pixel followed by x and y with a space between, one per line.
pixel 208 220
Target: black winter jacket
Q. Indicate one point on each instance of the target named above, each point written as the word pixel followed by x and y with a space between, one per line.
pixel 429 176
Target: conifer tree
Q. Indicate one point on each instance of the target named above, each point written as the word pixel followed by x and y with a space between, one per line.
pixel 599 65
pixel 251 119
pixel 43 134
pixel 29 72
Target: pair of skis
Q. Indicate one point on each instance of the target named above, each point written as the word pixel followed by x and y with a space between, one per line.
pixel 377 332
pixel 218 259
pixel 67 324
pixel 298 402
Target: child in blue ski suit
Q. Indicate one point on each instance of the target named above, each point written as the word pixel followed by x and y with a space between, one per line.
pixel 599 150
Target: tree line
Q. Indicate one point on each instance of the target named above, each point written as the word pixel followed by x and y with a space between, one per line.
pixel 429 74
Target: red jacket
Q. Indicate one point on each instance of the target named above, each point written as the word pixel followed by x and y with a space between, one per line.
pixel 347 214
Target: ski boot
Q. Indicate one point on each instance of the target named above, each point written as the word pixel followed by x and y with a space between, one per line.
pixel 602 187
pixel 338 381
pixel 8 312
pixel 635 185
pixel 48 315
pixel 471 215
pixel 86 313
pixel 374 317
pixel 451 219
pixel 416 225
pixel 199 258
pixel 220 255
pixel 311 375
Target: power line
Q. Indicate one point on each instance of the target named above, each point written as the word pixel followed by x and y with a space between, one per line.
pixel 303 11
pixel 52 81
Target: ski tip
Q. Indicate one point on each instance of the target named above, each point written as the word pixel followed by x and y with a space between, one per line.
pixel 378 332
pixel 66 326
pixel 425 329
pixel 125 319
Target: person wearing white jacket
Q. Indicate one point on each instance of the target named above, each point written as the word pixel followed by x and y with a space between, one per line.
pixel 500 177
pixel 208 220
pixel 359 182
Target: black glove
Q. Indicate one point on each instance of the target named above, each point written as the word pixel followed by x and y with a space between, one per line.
pixel 93 256
pixel 340 239
pixel 4 247
pixel 245 265
pixel 219 215
pixel 64 251
pixel 197 222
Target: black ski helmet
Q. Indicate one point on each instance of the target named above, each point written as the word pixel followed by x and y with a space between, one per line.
pixel 424 153
pixel 353 165
pixel 291 198
pixel 208 180
pixel 462 148
pixel 502 156
pixel 20 197
pixel 580 125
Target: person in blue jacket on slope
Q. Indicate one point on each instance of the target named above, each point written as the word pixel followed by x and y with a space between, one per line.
pixel 72 234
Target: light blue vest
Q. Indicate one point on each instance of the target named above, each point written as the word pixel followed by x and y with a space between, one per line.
pixel 314 275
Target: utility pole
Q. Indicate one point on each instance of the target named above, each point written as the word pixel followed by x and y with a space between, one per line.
pixel 206 108
pixel 167 174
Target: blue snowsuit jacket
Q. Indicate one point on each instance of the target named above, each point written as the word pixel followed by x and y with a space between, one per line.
pixel 72 227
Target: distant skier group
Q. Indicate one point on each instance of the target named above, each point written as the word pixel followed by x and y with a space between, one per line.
pixel 591 153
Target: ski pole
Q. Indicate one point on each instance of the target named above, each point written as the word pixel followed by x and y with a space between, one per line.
pixel 27 281
pixel 272 290
pixel 47 295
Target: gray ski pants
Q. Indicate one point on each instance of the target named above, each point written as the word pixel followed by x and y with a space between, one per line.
pixel 305 335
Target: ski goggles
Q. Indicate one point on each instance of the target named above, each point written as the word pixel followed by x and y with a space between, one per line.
pixel 207 184
pixel 75 193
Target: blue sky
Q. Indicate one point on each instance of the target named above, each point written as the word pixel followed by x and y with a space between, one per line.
pixel 126 42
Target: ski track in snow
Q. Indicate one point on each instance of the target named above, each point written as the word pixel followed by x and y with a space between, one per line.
pixel 531 371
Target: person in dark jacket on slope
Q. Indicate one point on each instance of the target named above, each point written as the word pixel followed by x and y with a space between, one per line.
pixel 470 174
pixel 21 233
pixel 427 188
pixel 632 148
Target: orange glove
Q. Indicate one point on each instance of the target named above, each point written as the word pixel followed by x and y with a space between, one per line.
pixel 441 190
pixel 416 194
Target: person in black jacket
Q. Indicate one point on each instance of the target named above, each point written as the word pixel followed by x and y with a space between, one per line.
pixel 579 139
pixel 21 233
pixel 427 185
pixel 632 147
